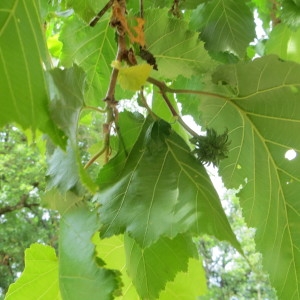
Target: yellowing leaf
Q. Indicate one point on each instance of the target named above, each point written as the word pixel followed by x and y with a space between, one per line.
pixel 132 78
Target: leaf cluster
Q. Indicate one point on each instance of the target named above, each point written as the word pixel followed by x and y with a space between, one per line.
pixel 135 179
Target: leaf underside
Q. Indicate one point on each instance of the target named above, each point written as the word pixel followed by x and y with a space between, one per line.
pixel 264 124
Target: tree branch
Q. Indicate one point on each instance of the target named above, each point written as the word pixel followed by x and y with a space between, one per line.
pixel 21 204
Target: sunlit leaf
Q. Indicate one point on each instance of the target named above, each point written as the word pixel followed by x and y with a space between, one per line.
pixel 170 191
pixel 264 124
pixel 150 271
pixel 284 42
pixel 134 77
pixel 80 277
pixel 40 277
pixel 112 251
pixel 186 285
pixel 23 57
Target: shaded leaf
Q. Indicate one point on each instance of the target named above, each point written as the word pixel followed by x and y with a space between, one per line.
pixel 65 169
pixel 130 125
pixel 79 275
pixel 168 40
pixel 290 14
pixel 62 202
pixel 150 271
pixel 23 89
pixel 66 94
pixel 39 279
pixel 225 25
pixel 86 9
pixel 263 122
pixel 170 191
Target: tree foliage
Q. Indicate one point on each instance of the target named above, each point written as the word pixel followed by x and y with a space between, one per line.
pixel 141 182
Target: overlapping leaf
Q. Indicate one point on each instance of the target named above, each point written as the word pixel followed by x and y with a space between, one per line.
pixel 284 42
pixel 79 275
pixel 150 271
pixel 23 90
pixel 65 168
pixel 177 49
pixel 40 277
pixel 113 252
pixel 225 25
pixel 264 123
pixel 86 9
pixel 95 50
pixel 162 191
pixel 187 285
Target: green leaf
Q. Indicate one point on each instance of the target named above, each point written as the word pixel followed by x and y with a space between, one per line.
pixel 79 275
pixel 263 122
pixel 86 9
pixel 113 253
pixel 39 279
pixel 23 52
pixel 297 2
pixel 66 94
pixel 95 50
pixel 284 42
pixel 187 285
pixel 150 271
pixel 168 40
pixel 65 167
pixel 161 109
pixel 290 14
pixel 62 202
pixel 225 25
pixel 169 190
pixel 130 125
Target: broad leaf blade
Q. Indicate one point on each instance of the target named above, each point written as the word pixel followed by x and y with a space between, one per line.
pixel 169 190
pixel 187 285
pixel 23 89
pixel 40 277
pixel 225 25
pixel 151 268
pixel 113 253
pixel 168 40
pixel 264 123
pixel 86 9
pixel 284 42
pixel 79 275
pixel 66 94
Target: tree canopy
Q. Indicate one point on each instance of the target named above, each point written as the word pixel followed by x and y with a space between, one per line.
pixel 105 87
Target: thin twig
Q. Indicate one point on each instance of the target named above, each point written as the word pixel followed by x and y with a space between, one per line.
pixel 111 111
pixel 163 87
pixel 142 9
pixel 177 116
pixel 101 13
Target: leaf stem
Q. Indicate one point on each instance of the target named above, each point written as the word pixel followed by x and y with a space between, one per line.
pixel 102 111
pixel 163 87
